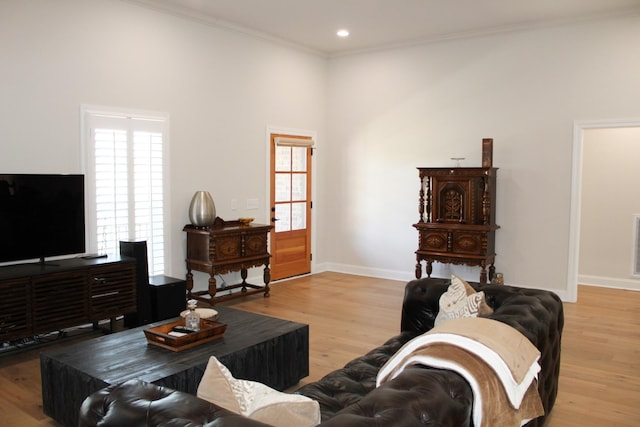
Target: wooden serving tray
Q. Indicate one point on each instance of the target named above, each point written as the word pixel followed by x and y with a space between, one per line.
pixel 209 330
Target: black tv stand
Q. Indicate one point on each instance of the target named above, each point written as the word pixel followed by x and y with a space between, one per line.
pixel 45 264
pixel 42 262
pixel 40 298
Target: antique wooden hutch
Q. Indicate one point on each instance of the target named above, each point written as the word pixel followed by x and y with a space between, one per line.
pixel 456 222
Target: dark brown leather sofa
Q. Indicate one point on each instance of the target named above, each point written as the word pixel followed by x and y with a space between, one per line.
pixel 348 397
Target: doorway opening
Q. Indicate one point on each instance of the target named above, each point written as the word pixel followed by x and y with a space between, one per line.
pixel 576 199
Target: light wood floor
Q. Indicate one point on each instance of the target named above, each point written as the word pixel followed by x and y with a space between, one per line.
pixel 349 315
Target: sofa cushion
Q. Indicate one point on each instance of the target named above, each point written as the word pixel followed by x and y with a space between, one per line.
pixel 348 385
pixel 402 403
pixel 136 403
pixel 256 400
pixel 461 300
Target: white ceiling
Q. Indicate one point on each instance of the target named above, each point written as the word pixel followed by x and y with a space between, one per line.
pixel 375 24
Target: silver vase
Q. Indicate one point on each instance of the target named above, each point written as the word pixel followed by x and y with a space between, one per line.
pixel 202 210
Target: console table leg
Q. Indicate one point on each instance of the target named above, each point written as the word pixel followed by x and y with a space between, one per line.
pixel 418 269
pixel 213 286
pixel 492 272
pixel 243 274
pixel 483 273
pixel 267 278
pixel 429 268
pixel 189 283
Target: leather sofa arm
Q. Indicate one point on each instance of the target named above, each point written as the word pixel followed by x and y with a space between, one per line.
pixel 537 314
pixel 417 397
pixel 136 403
pixel 421 304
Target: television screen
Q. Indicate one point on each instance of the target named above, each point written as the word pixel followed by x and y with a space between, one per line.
pixel 41 216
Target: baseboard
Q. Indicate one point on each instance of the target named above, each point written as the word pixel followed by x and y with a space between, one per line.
pixel 467 273
pixel 609 282
pixel 378 273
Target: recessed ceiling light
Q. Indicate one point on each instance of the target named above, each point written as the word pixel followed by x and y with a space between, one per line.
pixel 343 33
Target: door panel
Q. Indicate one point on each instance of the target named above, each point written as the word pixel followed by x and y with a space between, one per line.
pixel 291 208
pixel 291 256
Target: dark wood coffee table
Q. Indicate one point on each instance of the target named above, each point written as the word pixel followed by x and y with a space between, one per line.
pixel 254 347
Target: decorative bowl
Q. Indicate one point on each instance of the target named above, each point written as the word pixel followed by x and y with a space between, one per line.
pixel 204 313
pixel 245 221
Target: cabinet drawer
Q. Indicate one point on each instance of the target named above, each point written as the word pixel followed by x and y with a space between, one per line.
pixel 256 244
pixel 112 291
pixel 228 247
pixel 59 301
pixel 15 319
pixel 434 240
pixel 469 242
pixel 454 241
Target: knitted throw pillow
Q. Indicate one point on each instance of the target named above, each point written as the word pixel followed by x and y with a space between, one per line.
pixel 256 400
pixel 461 300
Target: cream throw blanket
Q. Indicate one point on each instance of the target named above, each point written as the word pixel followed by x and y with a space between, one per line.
pixel 499 363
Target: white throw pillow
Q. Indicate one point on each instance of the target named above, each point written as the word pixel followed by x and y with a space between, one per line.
pixel 461 300
pixel 256 400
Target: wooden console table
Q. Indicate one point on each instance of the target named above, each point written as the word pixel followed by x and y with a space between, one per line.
pixel 224 247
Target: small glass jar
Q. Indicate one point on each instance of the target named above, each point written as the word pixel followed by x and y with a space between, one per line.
pixel 498 279
pixel 192 318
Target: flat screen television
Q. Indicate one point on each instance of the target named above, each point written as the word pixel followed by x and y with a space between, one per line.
pixel 41 215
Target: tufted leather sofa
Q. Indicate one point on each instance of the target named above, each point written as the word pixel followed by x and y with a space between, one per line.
pixel 348 396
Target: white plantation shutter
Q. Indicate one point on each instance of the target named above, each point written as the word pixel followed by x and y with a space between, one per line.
pixel 125 168
pixel 149 196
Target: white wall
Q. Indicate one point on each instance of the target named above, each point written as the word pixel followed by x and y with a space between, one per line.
pixel 610 198
pixel 378 116
pixel 221 89
pixel 391 111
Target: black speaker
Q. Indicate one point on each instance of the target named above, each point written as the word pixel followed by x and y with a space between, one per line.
pixel 138 250
pixel 168 297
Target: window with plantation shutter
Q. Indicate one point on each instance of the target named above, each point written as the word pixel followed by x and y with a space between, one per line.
pixel 127 198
